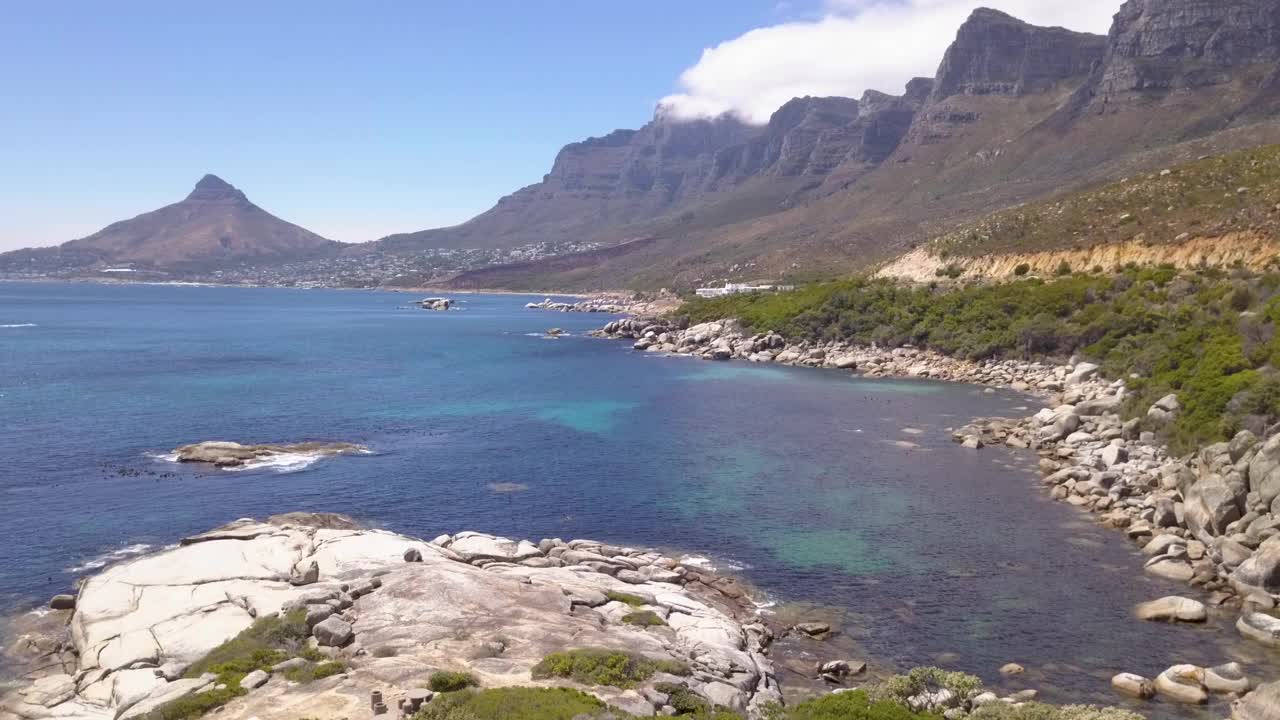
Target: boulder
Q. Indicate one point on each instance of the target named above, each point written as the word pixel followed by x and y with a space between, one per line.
pixel 1261 704
pixel 1213 504
pixel 1113 455
pixel 475 546
pixel 62 602
pixel 1241 444
pixel 1134 686
pixel 1082 372
pixel 1264 470
pixel 1262 568
pixel 255 679
pixel 1261 627
pixel 813 629
pixel 1173 608
pixel 1226 678
pixel 1182 683
pixel 1012 669
pixel 333 632
pixel 1171 568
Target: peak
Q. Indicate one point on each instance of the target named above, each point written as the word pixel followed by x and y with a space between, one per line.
pixel 212 188
pixel 986 15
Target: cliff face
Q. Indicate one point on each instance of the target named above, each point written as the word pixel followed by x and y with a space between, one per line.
pixel 1167 45
pixel 997 54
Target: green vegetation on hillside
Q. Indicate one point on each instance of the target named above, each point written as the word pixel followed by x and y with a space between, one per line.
pixel 267 642
pixel 1210 197
pixel 604 667
pixel 1209 336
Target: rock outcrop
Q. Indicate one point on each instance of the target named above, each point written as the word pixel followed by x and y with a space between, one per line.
pixel 469 602
pixel 232 454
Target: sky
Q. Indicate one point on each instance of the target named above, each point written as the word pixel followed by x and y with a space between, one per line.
pixel 360 120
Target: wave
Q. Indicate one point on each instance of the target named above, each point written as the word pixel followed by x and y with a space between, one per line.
pixel 111 557
pixel 19 325
pixel 716 565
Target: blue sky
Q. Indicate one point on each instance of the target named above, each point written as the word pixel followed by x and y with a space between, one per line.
pixel 352 119
pixel 359 120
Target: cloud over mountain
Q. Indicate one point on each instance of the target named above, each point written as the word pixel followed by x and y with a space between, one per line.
pixel 856 45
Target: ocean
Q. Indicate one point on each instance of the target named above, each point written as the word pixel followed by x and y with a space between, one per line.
pixel 819 488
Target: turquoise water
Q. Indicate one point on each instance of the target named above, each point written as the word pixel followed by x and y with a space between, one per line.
pixel 805 481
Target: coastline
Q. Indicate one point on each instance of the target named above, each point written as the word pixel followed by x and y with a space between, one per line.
pixel 1195 518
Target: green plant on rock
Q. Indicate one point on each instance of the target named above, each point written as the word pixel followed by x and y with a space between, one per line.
pixel 854 705
pixel 899 688
pixel 643 618
pixel 626 598
pixel 604 667
pixel 444 681
pixel 514 703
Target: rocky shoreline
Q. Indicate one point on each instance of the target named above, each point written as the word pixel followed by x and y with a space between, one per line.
pixel 388 610
pixel 1211 519
pixel 608 304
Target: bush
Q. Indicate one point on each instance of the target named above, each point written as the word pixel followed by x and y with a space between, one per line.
pixel 1022 269
pixel 444 681
pixel 925 679
pixel 513 703
pixel 643 618
pixel 604 667
pixel 1064 269
pixel 1040 711
pixel 855 705
pixel 952 271
pixel 1241 299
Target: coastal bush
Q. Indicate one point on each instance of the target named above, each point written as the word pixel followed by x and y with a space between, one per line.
pixel 1022 269
pixel 897 689
pixel 513 703
pixel 625 598
pixel 1160 330
pixel 308 673
pixel 604 667
pixel 444 681
pixel 196 705
pixel 853 705
pixel 643 618
pixel 1040 711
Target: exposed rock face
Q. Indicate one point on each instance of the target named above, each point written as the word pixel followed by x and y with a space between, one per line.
pixel 1158 45
pixel 997 54
pixel 491 606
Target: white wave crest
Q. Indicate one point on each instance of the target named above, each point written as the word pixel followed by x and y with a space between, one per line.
pixel 111 557
pixel 281 463
pixel 19 325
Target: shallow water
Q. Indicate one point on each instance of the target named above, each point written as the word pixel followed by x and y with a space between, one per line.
pixel 816 486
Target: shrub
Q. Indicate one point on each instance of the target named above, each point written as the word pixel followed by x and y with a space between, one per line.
pixel 925 679
pixel 1064 269
pixel 1241 299
pixel 684 700
pixel 1040 711
pixel 604 667
pixel 952 271
pixel 643 618
pixel 444 681
pixel 1022 269
pixel 855 705
pixel 513 703
pixel 194 706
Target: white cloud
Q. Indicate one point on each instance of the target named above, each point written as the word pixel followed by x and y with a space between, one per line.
pixel 857 45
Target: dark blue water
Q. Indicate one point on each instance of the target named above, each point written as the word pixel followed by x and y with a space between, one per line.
pixel 805 479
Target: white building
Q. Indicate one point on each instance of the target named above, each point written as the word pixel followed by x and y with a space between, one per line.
pixel 739 288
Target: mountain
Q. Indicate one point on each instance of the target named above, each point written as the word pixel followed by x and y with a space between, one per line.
pixel 1014 113
pixel 215 225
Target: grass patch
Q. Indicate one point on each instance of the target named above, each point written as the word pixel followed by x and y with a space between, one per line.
pixel 604 667
pixel 626 598
pixel 643 618
pixel 855 705
pixel 449 681
pixel 1040 711
pixel 194 706
pixel 308 673
pixel 514 703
